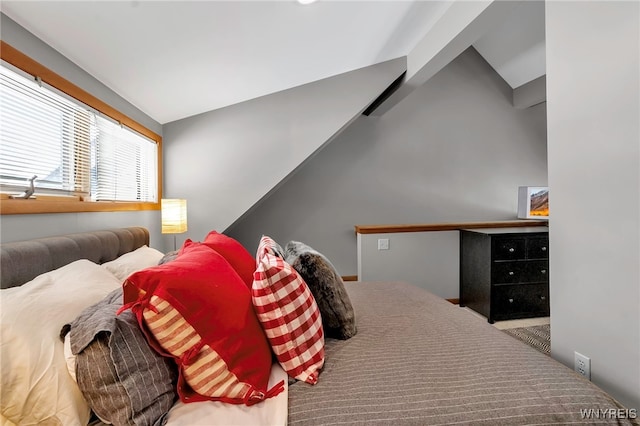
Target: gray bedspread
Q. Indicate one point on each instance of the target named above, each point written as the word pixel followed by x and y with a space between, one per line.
pixel 417 359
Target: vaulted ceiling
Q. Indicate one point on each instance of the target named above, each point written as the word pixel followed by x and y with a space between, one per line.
pixel 175 59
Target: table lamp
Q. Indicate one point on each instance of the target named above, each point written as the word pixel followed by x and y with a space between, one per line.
pixel 174 217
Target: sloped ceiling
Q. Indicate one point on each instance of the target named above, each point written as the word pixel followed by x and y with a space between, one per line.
pixel 176 59
pixel 516 49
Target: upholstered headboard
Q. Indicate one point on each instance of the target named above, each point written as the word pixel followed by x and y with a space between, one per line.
pixel 22 261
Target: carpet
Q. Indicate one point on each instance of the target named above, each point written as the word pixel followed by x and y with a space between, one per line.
pixel 538 336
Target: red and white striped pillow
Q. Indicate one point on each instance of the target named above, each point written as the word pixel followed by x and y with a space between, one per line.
pixel 203 368
pixel 197 310
pixel 288 313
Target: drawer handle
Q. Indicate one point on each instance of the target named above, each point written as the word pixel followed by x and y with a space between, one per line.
pixel 543 298
pixel 510 300
pixel 511 250
pixel 511 273
pixel 544 249
pixel 544 271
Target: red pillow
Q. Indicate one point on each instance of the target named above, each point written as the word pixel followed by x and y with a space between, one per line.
pixel 289 315
pixel 235 253
pixel 197 310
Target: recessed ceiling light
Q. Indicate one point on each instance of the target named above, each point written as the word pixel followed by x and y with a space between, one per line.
pixel 306 1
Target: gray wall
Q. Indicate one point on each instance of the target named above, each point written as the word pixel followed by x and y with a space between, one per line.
pixel 223 161
pixel 430 260
pixel 454 150
pixel 593 82
pixel 28 226
pixel 20 227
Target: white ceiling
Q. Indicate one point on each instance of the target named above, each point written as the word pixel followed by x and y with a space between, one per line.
pixel 174 59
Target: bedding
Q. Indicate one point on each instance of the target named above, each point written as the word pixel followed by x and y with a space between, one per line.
pixel 122 378
pixel 197 310
pixel 235 253
pixel 416 359
pixel 289 314
pixel 325 283
pixel 55 398
pixel 127 264
pixel 36 387
pixel 270 412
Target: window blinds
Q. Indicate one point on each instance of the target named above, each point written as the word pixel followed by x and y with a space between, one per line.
pixel 70 147
pixel 124 163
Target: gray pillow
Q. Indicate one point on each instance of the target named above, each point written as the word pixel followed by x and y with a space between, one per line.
pixel 124 381
pixel 338 316
pixel 168 257
pixel 276 248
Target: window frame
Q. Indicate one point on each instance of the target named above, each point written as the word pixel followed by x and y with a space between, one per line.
pixel 61 204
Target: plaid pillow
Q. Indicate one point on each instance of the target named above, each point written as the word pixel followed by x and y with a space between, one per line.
pixel 288 314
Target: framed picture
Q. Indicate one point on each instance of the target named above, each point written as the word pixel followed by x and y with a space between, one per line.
pixel 533 202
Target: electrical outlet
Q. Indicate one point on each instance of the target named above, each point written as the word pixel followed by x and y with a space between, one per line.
pixel 582 365
pixel 383 244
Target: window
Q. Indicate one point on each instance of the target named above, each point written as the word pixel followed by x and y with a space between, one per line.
pixel 77 152
pixel 123 163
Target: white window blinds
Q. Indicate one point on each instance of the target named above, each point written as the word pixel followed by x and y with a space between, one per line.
pixel 124 164
pixel 71 148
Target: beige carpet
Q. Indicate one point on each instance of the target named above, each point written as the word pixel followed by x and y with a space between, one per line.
pixel 537 336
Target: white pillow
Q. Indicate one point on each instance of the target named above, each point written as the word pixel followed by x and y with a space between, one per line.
pixel 271 411
pixel 134 261
pixel 36 386
pixel 69 357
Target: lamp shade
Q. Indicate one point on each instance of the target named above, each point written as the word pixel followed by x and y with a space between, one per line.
pixel 174 215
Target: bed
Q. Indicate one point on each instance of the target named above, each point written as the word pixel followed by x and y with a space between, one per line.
pixel 415 358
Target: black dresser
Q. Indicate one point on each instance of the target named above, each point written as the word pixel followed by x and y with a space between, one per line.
pixel 504 272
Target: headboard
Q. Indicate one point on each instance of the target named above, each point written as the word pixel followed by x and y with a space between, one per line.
pixel 22 261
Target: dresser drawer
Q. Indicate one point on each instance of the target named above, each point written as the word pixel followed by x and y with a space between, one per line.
pixel 508 272
pixel 509 248
pixel 512 300
pixel 537 271
pixel 520 272
pixel 538 248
